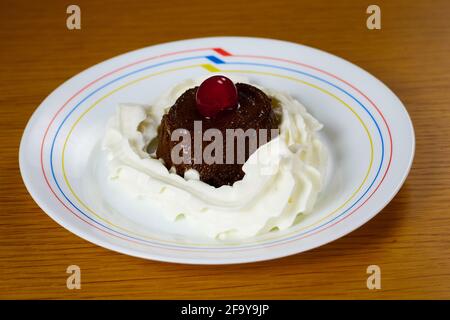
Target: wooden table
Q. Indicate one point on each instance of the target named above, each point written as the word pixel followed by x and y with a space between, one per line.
pixel 409 240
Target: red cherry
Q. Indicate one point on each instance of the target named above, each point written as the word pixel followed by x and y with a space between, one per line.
pixel 216 94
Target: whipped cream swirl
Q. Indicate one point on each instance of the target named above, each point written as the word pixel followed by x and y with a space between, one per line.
pixel 282 177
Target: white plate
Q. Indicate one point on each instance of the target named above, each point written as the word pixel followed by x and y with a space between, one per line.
pixel 366 128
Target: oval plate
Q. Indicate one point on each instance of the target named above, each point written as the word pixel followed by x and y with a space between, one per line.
pixel 366 128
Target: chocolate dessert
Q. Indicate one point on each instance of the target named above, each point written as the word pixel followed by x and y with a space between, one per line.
pixel 216 106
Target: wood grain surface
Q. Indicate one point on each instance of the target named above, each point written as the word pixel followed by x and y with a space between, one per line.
pixel 409 239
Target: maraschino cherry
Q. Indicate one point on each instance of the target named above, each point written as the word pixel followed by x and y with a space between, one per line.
pixel 216 94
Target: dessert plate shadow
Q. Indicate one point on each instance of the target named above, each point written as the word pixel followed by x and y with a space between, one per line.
pixel 367 131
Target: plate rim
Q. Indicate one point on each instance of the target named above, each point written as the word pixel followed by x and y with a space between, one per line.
pixel 98 240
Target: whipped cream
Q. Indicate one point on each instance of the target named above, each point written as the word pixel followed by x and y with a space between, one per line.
pixel 282 178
